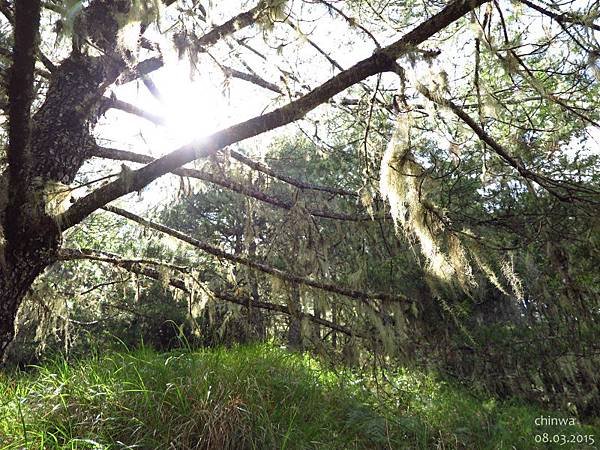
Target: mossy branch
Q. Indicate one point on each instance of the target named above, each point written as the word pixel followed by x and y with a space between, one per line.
pixel 260 266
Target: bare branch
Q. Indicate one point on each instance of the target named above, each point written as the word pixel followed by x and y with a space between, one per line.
pixel 132 109
pixel 287 179
pixel 314 45
pixel 142 69
pixel 252 78
pixel 261 82
pixel 152 88
pixel 351 21
pixel 562 17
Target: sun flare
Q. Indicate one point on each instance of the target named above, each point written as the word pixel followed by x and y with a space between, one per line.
pixel 189 104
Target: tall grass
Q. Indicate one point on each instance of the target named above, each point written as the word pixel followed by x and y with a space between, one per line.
pixel 253 397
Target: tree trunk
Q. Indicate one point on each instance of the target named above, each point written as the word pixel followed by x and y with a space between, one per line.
pixel 60 143
pixel 18 269
pixel 12 291
pixel 256 318
pixel 294 336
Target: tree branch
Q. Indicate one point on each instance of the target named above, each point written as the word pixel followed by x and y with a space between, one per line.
pixel 379 62
pixel 314 45
pixel 351 21
pixel 560 18
pixel 287 179
pixel 278 273
pixel 103 256
pixel 141 69
pixel 247 301
pixel 227 183
pixel 156 63
pixel 234 24
pixel 545 182
pixel 114 103
pixel 252 78
pixel 69 254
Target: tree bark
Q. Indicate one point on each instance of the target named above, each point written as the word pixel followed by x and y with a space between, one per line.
pixel 19 267
pixel 51 146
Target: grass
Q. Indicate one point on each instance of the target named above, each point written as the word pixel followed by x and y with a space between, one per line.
pixel 252 397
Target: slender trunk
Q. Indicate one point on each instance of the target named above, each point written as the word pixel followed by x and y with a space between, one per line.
pixel 256 317
pixel 294 336
pixel 318 313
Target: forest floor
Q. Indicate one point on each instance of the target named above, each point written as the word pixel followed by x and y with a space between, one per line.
pixel 256 397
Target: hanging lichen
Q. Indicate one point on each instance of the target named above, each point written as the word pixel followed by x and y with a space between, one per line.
pixel 410 191
pixel 508 270
pixel 274 11
pixel 404 184
pixel 56 197
pixel 47 314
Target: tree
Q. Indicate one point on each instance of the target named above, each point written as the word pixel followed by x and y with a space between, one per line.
pixel 478 160
pixel 52 145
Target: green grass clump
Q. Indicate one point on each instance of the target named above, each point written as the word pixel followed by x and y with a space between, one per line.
pixel 252 397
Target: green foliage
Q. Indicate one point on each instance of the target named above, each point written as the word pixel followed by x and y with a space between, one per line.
pixel 273 11
pixel 249 397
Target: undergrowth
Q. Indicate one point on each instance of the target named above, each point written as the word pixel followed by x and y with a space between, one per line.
pixel 251 397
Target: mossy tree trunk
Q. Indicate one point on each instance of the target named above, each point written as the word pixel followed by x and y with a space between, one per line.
pixel 48 147
pixel 20 267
